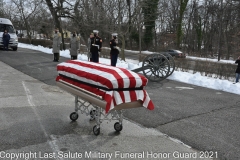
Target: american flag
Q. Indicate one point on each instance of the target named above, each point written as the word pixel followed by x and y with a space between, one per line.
pixel 115 85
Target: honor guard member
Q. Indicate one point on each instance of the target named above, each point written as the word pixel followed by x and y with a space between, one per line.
pixel 114 49
pixel 96 46
pixel 56 45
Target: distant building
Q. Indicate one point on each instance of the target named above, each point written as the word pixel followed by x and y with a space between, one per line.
pixel 66 34
pixel 23 34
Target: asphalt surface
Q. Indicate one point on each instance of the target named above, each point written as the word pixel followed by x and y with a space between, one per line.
pixel 205 119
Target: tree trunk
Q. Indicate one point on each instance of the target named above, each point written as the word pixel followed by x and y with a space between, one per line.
pixel 183 5
pixel 57 23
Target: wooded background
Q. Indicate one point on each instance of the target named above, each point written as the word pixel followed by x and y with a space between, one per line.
pixel 206 28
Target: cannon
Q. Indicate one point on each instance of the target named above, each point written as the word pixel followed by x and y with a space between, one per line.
pixel 157 66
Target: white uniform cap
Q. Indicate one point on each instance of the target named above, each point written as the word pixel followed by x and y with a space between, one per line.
pixel 95 31
pixel 114 34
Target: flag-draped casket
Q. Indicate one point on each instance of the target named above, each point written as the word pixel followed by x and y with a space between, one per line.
pixel 115 85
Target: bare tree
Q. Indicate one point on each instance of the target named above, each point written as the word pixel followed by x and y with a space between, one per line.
pixel 183 5
pixel 26 12
pixel 203 28
pixel 61 9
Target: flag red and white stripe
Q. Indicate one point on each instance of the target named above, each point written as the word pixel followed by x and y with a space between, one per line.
pixel 108 77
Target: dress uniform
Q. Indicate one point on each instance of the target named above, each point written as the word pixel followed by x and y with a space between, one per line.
pixel 96 45
pixel 56 45
pixel 114 49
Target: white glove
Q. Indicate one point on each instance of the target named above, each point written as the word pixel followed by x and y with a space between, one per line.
pixel 118 49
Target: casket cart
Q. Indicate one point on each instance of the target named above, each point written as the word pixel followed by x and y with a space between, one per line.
pixel 103 92
pixel 95 107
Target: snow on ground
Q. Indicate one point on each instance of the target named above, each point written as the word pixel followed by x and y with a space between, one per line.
pixel 185 77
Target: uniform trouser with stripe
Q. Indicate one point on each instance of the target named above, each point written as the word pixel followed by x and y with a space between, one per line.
pixel 237 77
pixel 114 58
pixel 73 57
pixel 95 57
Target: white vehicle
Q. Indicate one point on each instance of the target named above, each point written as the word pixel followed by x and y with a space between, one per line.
pixel 6 24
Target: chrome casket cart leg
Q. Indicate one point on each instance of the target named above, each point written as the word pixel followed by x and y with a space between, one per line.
pixel 97 117
pixel 83 107
pixel 98 114
pixel 118 116
pixel 74 115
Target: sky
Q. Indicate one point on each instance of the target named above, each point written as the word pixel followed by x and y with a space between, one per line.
pixel 185 77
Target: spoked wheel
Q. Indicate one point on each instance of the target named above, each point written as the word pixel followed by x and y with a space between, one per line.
pixel 156 67
pixel 96 130
pixel 171 61
pixel 74 116
pixel 118 127
pixel 92 114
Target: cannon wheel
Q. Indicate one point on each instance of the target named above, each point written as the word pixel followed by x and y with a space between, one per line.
pixel 171 61
pixel 156 67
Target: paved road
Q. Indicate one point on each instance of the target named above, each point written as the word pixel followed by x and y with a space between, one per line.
pixel 205 119
pixel 35 125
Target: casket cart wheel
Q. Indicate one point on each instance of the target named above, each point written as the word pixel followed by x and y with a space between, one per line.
pixel 74 116
pixel 118 127
pixel 92 114
pixel 156 67
pixel 96 130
